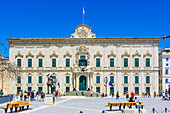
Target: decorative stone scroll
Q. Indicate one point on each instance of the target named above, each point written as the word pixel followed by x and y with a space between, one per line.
pixel 147 54
pixel 98 54
pixel 53 55
pixel 29 55
pixel 126 54
pixel 111 54
pixel 19 55
pixel 67 54
pixel 136 54
pixel 40 54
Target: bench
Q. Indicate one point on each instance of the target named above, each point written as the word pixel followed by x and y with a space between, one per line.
pixel 124 104
pixel 21 105
pixel 8 105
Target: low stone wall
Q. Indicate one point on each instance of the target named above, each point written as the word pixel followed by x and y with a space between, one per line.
pixel 7 98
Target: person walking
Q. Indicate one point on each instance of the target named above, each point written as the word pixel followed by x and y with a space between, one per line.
pixel 127 95
pixel 28 95
pixel 21 95
pixel 25 95
pixel 32 95
pixel 132 95
pixel 91 93
pixel 117 96
pixel 57 94
pixel 37 96
pixel 1 92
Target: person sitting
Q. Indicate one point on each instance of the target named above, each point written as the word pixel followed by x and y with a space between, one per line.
pixel 131 99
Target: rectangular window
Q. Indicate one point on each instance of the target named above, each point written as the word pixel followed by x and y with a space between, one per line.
pixel 147 62
pixel 98 89
pixel 39 90
pixel 97 62
pixel 112 79
pixel 147 79
pixel 136 90
pixel 40 80
pixel 166 71
pixel 147 90
pixel 18 90
pixel 67 89
pixel 136 79
pixel 82 57
pixel 125 90
pixel 111 62
pixel 67 62
pixel 125 62
pixel 29 62
pixel 67 79
pixel 53 62
pixel 125 79
pixel 19 80
pixel 82 61
pixel 29 79
pixel 136 62
pixel 19 62
pixel 40 63
pixel 111 90
pixel 166 81
pixel 97 79
pixel 29 89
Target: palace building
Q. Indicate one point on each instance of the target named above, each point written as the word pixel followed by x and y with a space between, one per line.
pixel 82 61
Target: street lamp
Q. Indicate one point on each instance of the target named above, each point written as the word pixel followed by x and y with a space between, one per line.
pixel 105 81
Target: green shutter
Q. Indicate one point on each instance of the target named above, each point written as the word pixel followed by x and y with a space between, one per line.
pixel 111 62
pixel 29 62
pixel 125 62
pixel 98 89
pixel 19 62
pixel 40 79
pixel 53 62
pixel 18 80
pixel 82 58
pixel 136 79
pixel 67 62
pixel 18 90
pixel 111 90
pixel 112 79
pixel 67 89
pixel 125 79
pixel 39 90
pixel 147 62
pixel 40 63
pixel 29 79
pixel 97 62
pixel 125 90
pixel 147 79
pixel 136 62
pixel 136 90
pixel 97 79
pixel 67 79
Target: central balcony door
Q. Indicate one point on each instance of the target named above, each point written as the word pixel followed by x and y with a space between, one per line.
pixel 82 83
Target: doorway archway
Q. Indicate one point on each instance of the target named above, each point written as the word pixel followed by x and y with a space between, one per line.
pixel 82 83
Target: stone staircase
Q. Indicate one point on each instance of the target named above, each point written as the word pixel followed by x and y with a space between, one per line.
pixel 86 93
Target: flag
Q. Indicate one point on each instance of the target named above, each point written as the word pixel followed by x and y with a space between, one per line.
pixel 110 84
pixel 83 11
pixel 58 84
pixel 104 84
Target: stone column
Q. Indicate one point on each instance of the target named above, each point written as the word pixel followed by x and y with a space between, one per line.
pixel 87 82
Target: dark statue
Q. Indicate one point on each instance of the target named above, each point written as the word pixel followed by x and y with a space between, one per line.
pixel 50 83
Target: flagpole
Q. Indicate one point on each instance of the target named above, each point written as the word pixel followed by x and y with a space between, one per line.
pixel 83 15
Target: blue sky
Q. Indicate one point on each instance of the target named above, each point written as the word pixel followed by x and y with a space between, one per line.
pixel 108 18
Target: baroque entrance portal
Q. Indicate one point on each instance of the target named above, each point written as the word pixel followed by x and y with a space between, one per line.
pixel 82 83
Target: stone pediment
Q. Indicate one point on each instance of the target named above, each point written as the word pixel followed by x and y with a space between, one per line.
pixel 67 54
pixel 136 54
pixel 19 55
pixel 40 54
pixel 83 31
pixel 111 54
pixel 147 54
pixel 29 55
pixel 98 54
pixel 53 55
pixel 126 54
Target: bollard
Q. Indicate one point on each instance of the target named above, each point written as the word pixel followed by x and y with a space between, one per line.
pixel 166 110
pixel 153 110
pixel 81 111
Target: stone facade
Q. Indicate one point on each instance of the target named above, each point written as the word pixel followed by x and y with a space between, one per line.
pixel 96 54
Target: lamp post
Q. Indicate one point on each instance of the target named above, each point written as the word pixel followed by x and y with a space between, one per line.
pixel 105 81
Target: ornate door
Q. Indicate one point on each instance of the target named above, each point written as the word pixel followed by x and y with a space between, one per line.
pixel 82 83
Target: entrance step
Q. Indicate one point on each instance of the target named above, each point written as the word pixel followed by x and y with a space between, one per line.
pixel 86 93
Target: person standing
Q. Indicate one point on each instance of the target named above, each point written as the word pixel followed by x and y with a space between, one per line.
pixel 21 95
pixel 57 94
pixel 32 95
pixel 127 95
pixel 91 93
pixel 25 95
pixel 37 95
pixel 117 96
pixel 132 95
pixel 1 92
pixel 42 96
pixel 28 95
